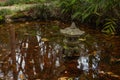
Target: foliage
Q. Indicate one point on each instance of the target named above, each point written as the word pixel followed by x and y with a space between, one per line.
pixel 40 11
pixel 68 7
pixel 91 11
pixel 12 2
pixel 101 13
pixel 4 12
pixel 109 26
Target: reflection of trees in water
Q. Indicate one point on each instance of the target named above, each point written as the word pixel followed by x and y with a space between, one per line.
pixel 13 53
pixel 35 59
pixel 41 59
pixel 38 59
pixel 7 56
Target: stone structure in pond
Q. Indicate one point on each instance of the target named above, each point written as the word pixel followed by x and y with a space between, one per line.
pixel 71 39
pixel 77 42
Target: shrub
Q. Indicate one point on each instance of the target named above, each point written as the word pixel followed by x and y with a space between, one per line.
pixel 40 11
pixel 91 11
pixel 4 12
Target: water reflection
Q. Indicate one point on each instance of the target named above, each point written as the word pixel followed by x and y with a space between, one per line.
pixel 38 58
pixel 31 51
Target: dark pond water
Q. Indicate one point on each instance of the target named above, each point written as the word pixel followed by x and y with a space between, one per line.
pixel 36 51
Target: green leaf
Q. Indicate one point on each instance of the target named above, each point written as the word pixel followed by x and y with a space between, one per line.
pixel 72 2
pixel 96 8
pixel 1 17
pixel 85 16
pixel 75 15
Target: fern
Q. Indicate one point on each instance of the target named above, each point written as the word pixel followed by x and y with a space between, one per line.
pixel 109 26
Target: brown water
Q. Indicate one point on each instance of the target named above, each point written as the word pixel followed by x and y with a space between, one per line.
pixel 36 51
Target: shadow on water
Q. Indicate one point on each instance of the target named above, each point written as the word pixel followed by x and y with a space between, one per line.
pixel 36 51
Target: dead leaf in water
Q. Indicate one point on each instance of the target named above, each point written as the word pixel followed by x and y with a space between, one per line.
pixel 26 34
pixel 32 61
pixel 4 50
pixel 1 62
pixel 37 79
pixel 109 73
pixel 94 53
pixel 117 76
pixel 21 76
pixel 82 39
pixel 63 78
pixel 101 72
pixel 44 39
pixel 36 46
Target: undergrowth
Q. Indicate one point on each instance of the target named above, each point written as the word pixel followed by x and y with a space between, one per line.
pixel 102 13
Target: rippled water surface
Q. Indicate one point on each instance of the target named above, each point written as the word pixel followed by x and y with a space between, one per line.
pixel 36 51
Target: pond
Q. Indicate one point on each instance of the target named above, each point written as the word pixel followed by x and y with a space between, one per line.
pixel 36 51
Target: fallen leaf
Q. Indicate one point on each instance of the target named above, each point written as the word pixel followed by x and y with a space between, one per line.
pixel 32 61
pixel 94 53
pixel 37 79
pixel 44 39
pixel 117 76
pixel 21 76
pixel 4 50
pixel 82 39
pixel 63 78
pixel 109 73
pixel 101 72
